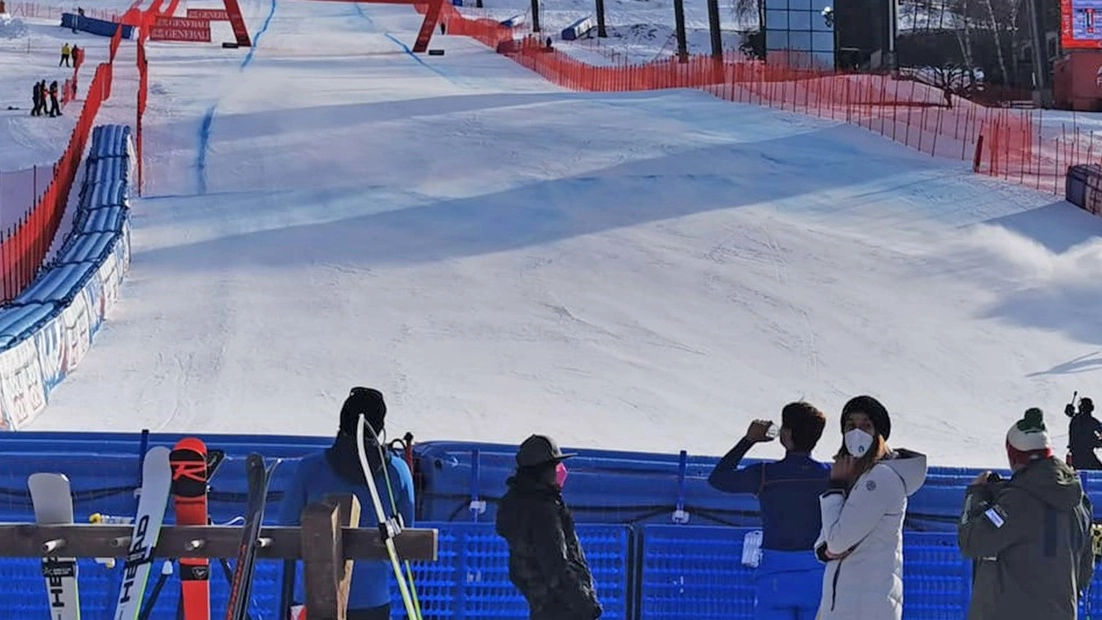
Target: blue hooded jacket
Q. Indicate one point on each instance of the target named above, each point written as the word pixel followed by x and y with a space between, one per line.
pixel 317 477
pixel 788 491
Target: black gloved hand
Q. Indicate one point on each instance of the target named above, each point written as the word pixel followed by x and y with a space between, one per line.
pixel 1069 410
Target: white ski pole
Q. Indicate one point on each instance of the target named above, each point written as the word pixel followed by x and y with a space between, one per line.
pixel 387 528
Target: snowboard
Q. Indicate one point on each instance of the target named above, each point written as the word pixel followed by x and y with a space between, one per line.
pixel 190 475
pixel 241 585
pixel 53 505
pixel 156 484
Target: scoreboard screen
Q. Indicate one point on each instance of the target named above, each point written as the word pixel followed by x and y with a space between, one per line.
pixel 1081 24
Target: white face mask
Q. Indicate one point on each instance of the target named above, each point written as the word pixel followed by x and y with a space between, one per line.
pixel 858 442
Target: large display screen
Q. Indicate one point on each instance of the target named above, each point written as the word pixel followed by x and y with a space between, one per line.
pixel 1081 26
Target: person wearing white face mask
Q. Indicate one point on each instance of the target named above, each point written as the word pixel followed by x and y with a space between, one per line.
pixel 861 540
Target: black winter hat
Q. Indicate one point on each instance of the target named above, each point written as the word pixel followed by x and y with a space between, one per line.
pixel 871 407
pixel 1086 405
pixel 538 450
pixel 367 401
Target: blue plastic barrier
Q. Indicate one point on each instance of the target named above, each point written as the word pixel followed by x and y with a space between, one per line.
pixel 579 29
pixel 660 571
pixel 697 572
pixel 514 21
pixel 99 27
pixel 647 486
pixel 470 581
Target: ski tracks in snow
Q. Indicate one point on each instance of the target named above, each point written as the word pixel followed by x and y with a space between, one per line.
pixel 805 329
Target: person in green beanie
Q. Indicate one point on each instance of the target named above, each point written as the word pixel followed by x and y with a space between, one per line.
pixel 1029 536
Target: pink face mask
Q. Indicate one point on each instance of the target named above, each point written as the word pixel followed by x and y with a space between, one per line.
pixel 560 475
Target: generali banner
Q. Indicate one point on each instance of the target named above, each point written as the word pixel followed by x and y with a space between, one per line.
pixel 214 15
pixel 180 29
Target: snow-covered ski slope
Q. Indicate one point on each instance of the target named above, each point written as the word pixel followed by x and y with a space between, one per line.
pixel 643 271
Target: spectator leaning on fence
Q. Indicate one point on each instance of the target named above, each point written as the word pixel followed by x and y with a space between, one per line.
pixel 546 561
pixel 862 536
pixel 1030 536
pixel 336 470
pixel 789 578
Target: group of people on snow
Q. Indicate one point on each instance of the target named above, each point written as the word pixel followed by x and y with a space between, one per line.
pixel 832 534
pixel 45 97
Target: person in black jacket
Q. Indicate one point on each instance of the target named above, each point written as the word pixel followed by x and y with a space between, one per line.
pixel 546 561
pixel 55 109
pixel 1084 432
pixel 36 95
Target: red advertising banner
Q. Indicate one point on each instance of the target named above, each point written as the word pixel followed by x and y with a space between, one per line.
pixel 180 29
pixel 214 15
pixel 1081 24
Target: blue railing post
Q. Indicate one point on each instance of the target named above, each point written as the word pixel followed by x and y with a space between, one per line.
pixel 679 514
pixel 478 506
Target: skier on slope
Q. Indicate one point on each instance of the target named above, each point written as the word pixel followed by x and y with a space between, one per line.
pixel 788 578
pixel 862 536
pixel 546 561
pixel 337 470
pixel 1084 435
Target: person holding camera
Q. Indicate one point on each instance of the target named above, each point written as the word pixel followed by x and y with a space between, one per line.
pixel 1030 536
pixel 788 578
pixel 1084 435
pixel 862 513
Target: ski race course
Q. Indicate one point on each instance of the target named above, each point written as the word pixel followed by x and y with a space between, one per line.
pixel 640 272
pixel 637 271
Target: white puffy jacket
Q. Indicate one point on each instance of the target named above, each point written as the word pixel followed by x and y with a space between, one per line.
pixel 867 584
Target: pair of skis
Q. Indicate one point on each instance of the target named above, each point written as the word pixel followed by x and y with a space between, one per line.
pixel 184 472
pixel 52 497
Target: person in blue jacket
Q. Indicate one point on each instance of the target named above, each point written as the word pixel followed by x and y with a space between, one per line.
pixel 789 578
pixel 337 470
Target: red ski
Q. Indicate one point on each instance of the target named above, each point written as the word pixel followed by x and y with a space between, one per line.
pixel 191 471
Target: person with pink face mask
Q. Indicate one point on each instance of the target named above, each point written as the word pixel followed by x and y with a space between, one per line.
pixel 546 561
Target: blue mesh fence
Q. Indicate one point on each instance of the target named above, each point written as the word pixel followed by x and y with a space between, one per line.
pixel 471 579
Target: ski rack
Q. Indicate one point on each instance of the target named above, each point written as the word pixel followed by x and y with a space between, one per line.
pixel 328 540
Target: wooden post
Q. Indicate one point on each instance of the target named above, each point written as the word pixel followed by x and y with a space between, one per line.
pixel 328 574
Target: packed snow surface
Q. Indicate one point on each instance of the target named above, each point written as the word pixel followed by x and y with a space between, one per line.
pixel 646 271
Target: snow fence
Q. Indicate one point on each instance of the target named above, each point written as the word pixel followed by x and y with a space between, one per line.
pixel 646 566
pixel 46 330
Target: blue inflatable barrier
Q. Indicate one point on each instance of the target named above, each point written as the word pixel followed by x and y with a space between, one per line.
pixel 114 193
pixel 107 170
pixel 60 285
pixel 87 248
pixel 99 27
pixel 578 29
pixel 110 141
pixel 17 323
pixel 514 22
pixel 103 220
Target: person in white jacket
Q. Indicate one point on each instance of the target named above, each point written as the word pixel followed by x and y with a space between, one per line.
pixel 862 514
